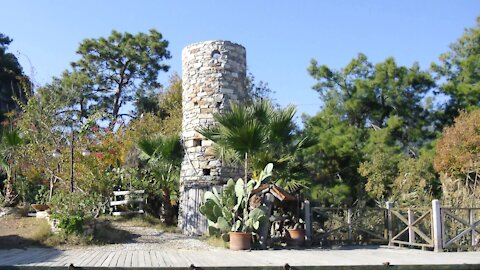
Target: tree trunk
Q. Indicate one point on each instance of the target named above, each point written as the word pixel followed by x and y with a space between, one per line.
pixel 166 209
pixel 10 193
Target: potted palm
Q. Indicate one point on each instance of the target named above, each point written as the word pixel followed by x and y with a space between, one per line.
pixel 229 214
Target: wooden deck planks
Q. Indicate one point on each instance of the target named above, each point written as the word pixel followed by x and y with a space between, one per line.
pixel 148 260
pixel 6 254
pixel 160 259
pixel 128 259
pixel 169 260
pixel 121 259
pixel 141 258
pixel 135 259
pixel 113 261
pixel 90 256
pixel 108 259
pixel 78 257
pixel 21 257
pixel 101 257
pixel 153 258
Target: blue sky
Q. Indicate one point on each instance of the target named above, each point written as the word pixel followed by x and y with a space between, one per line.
pixel 280 36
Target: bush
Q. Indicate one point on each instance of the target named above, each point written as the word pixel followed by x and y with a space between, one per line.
pixel 457 160
pixel 71 224
pixel 73 210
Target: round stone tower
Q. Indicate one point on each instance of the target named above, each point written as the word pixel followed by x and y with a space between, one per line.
pixel 214 74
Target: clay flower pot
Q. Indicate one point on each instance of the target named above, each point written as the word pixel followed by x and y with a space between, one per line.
pixel 296 237
pixel 240 240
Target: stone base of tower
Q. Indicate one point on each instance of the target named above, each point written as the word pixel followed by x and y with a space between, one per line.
pixel 190 220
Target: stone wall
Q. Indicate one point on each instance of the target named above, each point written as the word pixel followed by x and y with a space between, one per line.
pixel 214 74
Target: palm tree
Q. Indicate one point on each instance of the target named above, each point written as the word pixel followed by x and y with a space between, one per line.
pixel 162 155
pixel 10 140
pixel 240 131
pixel 259 134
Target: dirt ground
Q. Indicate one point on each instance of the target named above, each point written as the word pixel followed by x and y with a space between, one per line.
pixel 136 233
pixel 20 232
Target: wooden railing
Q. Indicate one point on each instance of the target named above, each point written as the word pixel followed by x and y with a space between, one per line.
pixel 461 228
pixel 127 199
pixel 349 226
pixel 412 227
pixel 434 228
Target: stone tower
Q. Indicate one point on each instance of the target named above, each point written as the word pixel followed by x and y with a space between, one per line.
pixel 214 74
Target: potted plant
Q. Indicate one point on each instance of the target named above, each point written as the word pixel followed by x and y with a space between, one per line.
pixel 295 227
pixel 41 199
pixel 229 214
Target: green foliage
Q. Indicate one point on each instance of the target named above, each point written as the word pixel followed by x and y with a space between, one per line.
pixel 120 65
pixel 416 183
pixel 162 158
pixel 15 86
pixel 459 75
pixel 42 195
pixel 10 156
pixel 260 133
pixel 71 224
pixel 76 204
pixel 228 211
pixel 73 210
pixel 372 116
pixel 384 155
pixel 170 104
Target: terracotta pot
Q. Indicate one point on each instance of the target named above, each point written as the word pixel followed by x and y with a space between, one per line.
pixel 40 207
pixel 240 240
pixel 296 237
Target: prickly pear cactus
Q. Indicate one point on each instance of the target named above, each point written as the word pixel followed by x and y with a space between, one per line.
pixel 228 211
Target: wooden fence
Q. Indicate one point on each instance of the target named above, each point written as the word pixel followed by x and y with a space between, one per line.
pixel 130 201
pixel 436 228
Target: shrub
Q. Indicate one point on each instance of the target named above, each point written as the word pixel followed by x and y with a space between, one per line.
pixel 458 160
pixel 74 209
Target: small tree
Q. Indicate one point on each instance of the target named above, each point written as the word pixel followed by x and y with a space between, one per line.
pixel 120 65
pixel 162 156
pixel 458 160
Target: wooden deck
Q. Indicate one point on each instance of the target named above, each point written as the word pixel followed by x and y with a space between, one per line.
pixel 267 259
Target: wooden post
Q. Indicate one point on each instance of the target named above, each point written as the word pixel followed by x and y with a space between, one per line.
pixel 349 223
pixel 437 227
pixel 471 221
pixel 411 233
pixel 265 228
pixel 308 223
pixel 389 206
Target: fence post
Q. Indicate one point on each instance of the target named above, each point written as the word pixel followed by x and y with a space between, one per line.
pixel 389 206
pixel 411 233
pixel 437 226
pixel 471 221
pixel 349 223
pixel 308 223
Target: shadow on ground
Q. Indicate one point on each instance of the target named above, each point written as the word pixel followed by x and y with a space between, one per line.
pixel 108 234
pixel 16 241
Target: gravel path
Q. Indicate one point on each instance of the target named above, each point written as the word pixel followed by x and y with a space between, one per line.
pixel 150 238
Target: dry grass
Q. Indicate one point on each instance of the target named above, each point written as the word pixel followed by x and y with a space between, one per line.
pixel 215 241
pixel 18 232
pixel 42 231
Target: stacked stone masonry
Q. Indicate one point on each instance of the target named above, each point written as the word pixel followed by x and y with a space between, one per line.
pixel 214 74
